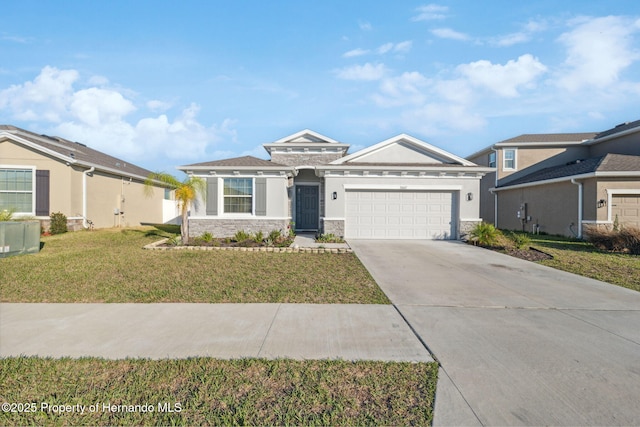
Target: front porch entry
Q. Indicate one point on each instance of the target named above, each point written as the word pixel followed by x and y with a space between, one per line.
pixel 307 207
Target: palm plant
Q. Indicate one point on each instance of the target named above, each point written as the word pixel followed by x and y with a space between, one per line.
pixel 186 192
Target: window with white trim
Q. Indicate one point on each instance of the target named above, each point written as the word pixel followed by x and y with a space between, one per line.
pixel 492 159
pixel 509 159
pixel 238 195
pixel 16 190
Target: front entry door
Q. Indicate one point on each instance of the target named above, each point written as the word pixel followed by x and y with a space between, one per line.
pixel 307 207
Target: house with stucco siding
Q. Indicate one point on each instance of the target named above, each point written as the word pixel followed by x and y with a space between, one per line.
pixel 400 188
pixel 560 183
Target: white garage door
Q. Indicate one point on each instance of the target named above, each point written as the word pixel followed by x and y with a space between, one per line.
pixel 627 208
pixel 400 215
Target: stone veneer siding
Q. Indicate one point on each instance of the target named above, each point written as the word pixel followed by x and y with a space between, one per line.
pixel 300 159
pixel 333 226
pixel 466 227
pixel 223 227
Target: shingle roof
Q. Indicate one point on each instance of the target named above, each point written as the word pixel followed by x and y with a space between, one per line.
pixel 606 163
pixel 550 137
pixel 79 152
pixel 382 164
pixel 245 161
pixel 620 128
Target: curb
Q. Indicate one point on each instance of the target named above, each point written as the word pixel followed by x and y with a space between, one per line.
pixel 156 246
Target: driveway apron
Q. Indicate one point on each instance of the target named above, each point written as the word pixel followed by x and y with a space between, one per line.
pixel 518 343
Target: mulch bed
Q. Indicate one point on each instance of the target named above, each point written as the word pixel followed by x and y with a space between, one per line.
pixel 530 254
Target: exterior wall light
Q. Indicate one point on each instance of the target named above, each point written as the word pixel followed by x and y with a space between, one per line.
pixel 602 203
pixel 469 197
pixel 334 195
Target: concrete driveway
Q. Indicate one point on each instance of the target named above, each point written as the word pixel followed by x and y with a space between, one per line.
pixel 518 343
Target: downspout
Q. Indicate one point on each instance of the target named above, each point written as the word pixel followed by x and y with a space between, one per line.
pixel 580 213
pixel 85 224
pixel 495 195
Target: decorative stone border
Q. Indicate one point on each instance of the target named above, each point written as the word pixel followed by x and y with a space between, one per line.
pixel 156 246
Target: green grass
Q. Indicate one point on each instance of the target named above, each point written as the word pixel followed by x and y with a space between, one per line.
pixel 583 258
pixel 218 392
pixel 111 266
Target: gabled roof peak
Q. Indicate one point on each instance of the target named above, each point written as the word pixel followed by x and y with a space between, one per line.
pixel 306 136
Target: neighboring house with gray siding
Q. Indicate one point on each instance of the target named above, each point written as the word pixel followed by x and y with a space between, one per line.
pixel 400 188
pixel 558 183
pixel 41 174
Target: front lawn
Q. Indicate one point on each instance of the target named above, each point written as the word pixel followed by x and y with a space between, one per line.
pixel 584 259
pixel 204 391
pixel 111 266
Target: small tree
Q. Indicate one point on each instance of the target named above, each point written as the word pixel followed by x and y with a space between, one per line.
pixel 186 192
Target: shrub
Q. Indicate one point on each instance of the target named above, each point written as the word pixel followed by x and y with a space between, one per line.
pixel 521 240
pixel 275 235
pixel 241 236
pixel 58 223
pixel 484 234
pixel 329 238
pixel 174 240
pixel 623 239
pixel 258 237
pixel 6 214
pixel 206 237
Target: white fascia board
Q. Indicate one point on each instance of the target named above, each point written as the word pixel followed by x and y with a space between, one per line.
pixel 411 140
pixel 538 144
pixel 355 167
pixel 37 147
pixel 306 132
pixel 543 182
pixel 595 141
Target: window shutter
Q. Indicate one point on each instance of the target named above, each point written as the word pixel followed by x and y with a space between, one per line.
pixel 212 196
pixel 42 193
pixel 261 196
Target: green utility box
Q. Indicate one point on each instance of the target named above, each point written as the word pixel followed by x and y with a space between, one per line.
pixel 19 237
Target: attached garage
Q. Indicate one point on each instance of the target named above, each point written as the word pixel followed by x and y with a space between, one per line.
pixel 397 214
pixel 627 208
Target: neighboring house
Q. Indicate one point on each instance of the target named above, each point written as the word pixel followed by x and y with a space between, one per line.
pixel 558 183
pixel 401 188
pixel 41 174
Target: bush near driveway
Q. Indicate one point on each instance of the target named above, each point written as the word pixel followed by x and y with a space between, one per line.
pixel 111 266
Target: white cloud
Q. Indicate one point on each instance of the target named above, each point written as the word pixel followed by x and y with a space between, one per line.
pixel 403 47
pixel 405 89
pixel 97 107
pixel 598 50
pixel 99 117
pixel 504 80
pixel 430 12
pixel 367 72
pixel 523 36
pixel 385 48
pixel 157 105
pixel 45 98
pixel 448 33
pixel 355 52
pixel 365 26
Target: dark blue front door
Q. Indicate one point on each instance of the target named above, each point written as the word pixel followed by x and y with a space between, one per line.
pixel 307 207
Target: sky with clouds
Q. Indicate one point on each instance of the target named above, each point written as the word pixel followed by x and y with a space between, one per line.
pixel 164 83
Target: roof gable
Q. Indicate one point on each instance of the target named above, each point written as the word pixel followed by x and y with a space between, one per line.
pixel 306 136
pixel 403 149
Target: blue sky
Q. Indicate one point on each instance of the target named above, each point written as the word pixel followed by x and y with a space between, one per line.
pixel 166 83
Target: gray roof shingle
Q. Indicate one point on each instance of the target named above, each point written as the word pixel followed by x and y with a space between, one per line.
pixel 606 163
pixel 245 161
pixel 550 137
pixel 79 152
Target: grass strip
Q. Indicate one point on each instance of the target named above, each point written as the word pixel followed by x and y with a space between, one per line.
pixel 583 258
pixel 204 391
pixel 111 266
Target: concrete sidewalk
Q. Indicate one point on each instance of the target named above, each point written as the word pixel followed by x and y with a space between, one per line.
pixel 157 331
